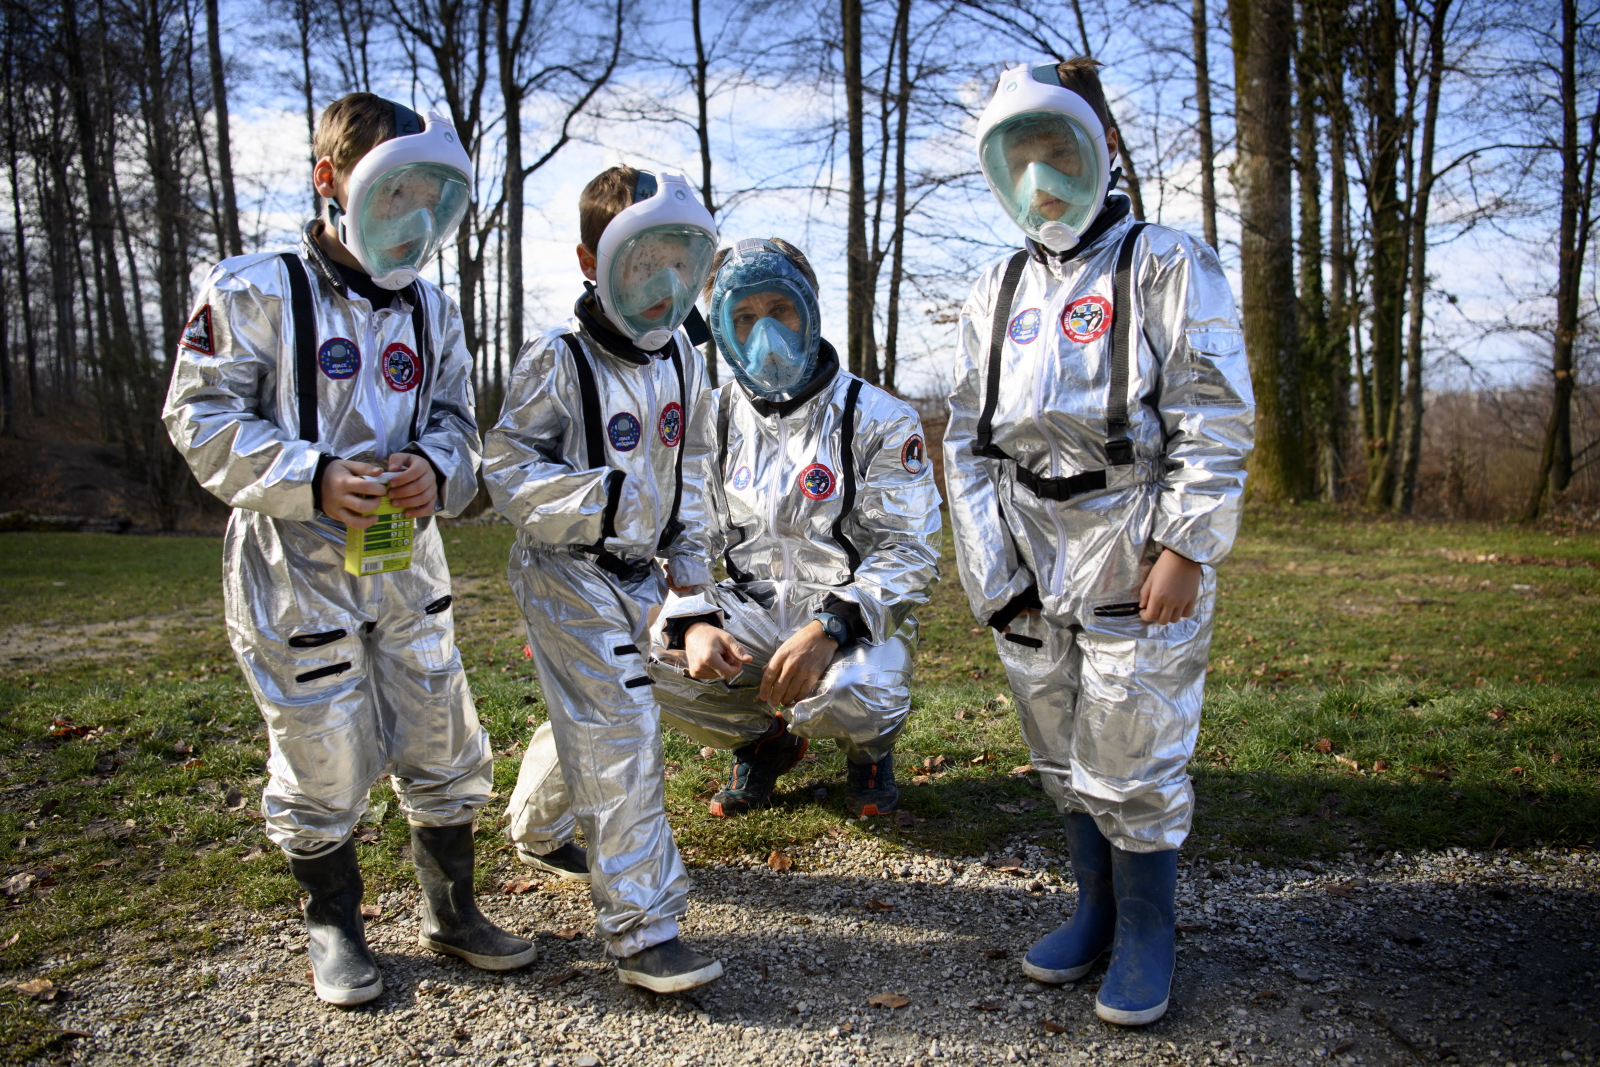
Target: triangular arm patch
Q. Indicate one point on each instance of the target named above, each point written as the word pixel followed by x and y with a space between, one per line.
pixel 197 335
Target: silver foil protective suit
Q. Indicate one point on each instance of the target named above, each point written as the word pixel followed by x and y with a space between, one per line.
pixel 588 629
pixel 773 506
pixel 354 676
pixel 1110 705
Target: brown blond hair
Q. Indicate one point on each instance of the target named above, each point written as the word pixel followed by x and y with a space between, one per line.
pixel 794 255
pixel 1081 74
pixel 350 127
pixel 607 195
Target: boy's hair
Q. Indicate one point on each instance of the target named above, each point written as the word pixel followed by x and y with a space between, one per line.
pixel 791 252
pixel 1081 75
pixel 350 127
pixel 607 195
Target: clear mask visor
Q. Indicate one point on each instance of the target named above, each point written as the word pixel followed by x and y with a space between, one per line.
pixel 1045 167
pixel 656 274
pixel 409 214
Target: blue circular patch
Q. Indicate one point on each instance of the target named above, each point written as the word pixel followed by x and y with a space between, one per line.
pixel 742 478
pixel 339 358
pixel 1025 327
pixel 623 429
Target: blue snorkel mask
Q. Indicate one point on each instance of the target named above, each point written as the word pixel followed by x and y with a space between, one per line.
pixel 755 290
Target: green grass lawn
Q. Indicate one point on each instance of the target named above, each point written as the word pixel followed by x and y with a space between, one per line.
pixel 1375 684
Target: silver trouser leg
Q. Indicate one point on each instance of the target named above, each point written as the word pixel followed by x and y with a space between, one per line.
pixel 439 758
pixel 588 635
pixel 1042 663
pixel 864 699
pixel 539 816
pixel 322 734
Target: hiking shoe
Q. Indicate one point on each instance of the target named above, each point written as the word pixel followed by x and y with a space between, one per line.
pixel 670 967
pixel 872 788
pixel 756 768
pixel 569 861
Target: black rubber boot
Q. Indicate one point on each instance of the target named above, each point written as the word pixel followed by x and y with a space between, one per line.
pixel 670 967
pixel 451 921
pixel 343 970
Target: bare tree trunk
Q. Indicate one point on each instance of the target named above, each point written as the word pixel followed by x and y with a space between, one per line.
pixel 1577 200
pixel 1387 260
pixel 891 346
pixel 8 400
pixel 507 47
pixel 1411 442
pixel 702 129
pixel 1263 39
pixel 859 306
pixel 302 15
pixel 31 350
pixel 1202 105
pixel 1331 435
pixel 233 242
pixel 1313 318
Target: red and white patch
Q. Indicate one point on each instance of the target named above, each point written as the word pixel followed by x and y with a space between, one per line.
pixel 401 368
pixel 1086 319
pixel 669 427
pixel 197 334
pixel 817 481
pixel 913 454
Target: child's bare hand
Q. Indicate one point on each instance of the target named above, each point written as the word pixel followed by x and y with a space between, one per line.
pixel 415 488
pixel 713 653
pixel 1170 589
pixel 349 494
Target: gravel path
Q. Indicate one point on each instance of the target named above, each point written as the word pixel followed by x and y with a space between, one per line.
pixel 1455 956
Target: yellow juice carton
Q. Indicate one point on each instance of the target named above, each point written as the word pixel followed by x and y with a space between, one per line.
pixel 383 546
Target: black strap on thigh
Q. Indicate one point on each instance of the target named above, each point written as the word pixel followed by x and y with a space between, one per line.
pixel 305 345
pixel 847 475
pixel 983 444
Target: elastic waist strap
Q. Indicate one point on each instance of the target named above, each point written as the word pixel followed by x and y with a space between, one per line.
pixel 1061 488
pixel 629 570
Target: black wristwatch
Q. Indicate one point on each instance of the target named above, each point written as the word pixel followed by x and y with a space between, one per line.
pixel 833 626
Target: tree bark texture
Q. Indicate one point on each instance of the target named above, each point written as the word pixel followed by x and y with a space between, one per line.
pixel 859 297
pixel 234 242
pixel 1202 105
pixel 1263 40
pixel 1388 255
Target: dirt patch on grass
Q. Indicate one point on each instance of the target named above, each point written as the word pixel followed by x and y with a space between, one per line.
pixel 31 645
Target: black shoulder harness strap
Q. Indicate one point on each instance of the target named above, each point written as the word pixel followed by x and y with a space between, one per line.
pixel 304 318
pixel 673 528
pixel 983 445
pixel 594 441
pixel 1119 450
pixel 847 474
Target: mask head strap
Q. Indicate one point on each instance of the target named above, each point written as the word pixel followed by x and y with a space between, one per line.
pixel 645 187
pixel 406 121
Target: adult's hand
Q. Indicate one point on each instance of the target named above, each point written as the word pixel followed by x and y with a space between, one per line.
pixel 414 487
pixel 713 653
pixel 1169 591
pixel 798 665
pixel 349 494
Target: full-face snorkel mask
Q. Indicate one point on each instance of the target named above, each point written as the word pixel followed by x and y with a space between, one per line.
pixel 1043 151
pixel 653 258
pixel 769 358
pixel 405 199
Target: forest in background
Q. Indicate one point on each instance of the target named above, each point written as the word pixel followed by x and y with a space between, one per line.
pixel 1347 159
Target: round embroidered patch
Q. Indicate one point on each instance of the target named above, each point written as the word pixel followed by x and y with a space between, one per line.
pixel 742 478
pixel 1025 327
pixel 816 482
pixel 913 453
pixel 339 358
pixel 1086 319
pixel 623 429
pixel 401 368
pixel 670 426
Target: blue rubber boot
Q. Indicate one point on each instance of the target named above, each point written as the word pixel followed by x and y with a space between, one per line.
pixel 1068 952
pixel 1138 982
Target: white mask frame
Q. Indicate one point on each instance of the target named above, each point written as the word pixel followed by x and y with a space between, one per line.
pixel 672 204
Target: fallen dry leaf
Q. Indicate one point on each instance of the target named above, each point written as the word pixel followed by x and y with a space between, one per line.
pixel 878 906
pixel 961 713
pixel 888 1000
pixel 905 820
pixel 779 861
pixel 708 753
pixel 1191 928
pixel 921 779
pixel 934 763
pixel 183 748
pixel 190 764
pixel 254 852
pixel 989 1005
pixel 1026 768
pixel 1052 1027
pixel 109 863
pixel 1006 863
pixel 1243 794
pixel 18 884
pixel 1343 891
pixel 1323 745
pixel 371 911
pixel 565 976
pixel 368 835
pixel 39 989
pixel 569 933
pixel 987 757
pixel 1342 1049
pixel 996 953
pixel 1380 766
pixel 12 940
pixel 1498 714
pixel 1009 809
pixel 1348 762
